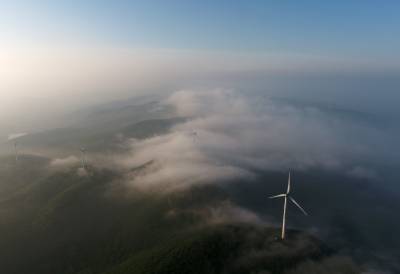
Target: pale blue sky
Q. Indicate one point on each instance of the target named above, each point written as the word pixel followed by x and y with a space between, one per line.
pixel 347 27
pixel 82 52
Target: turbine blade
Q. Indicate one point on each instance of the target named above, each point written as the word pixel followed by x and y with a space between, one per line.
pixel 288 185
pixel 277 196
pixel 302 210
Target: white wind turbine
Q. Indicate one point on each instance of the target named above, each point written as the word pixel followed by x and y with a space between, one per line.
pixel 16 151
pixel 83 155
pixel 286 196
pixel 193 134
pixel 13 137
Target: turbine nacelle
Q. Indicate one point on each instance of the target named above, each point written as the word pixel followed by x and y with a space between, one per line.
pixel 292 200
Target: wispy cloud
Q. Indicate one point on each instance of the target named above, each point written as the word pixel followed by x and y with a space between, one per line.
pixel 237 135
pixel 64 163
pixel 13 136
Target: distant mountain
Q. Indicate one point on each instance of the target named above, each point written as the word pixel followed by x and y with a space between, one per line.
pixel 99 137
pixel 66 222
pixel 97 127
pixel 235 249
pixel 337 111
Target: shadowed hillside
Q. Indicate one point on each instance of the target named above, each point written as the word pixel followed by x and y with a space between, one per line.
pixel 66 222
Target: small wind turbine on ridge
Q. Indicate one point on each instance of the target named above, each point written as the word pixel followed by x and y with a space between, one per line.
pixel 13 138
pixel 83 155
pixel 193 134
pixel 16 151
pixel 287 196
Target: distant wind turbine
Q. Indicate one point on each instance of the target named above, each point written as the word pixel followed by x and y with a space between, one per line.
pixel 83 155
pixel 13 137
pixel 287 196
pixel 16 151
pixel 194 135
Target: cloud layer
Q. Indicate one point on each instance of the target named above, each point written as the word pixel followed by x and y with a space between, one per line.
pixel 64 163
pixel 231 136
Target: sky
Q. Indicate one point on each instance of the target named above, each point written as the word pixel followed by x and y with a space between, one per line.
pixel 57 57
pixel 66 54
pixel 334 27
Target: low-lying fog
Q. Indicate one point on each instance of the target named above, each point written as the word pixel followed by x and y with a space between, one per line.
pixel 242 127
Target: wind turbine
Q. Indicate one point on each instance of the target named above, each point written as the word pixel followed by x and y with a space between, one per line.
pixel 287 196
pixel 13 137
pixel 16 151
pixel 193 134
pixel 83 155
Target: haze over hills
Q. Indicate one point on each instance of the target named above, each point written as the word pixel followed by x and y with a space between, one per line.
pixel 152 137
pixel 153 199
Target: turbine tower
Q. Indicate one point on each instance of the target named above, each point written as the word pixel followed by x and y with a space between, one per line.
pixel 287 196
pixel 16 151
pixel 83 155
pixel 193 134
pixel 13 138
